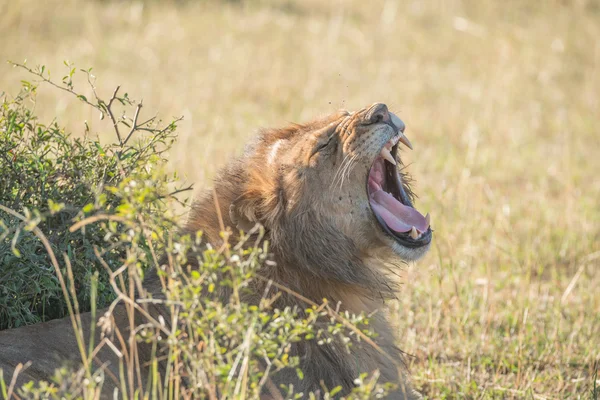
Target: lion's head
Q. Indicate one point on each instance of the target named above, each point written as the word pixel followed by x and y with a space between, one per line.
pixel 329 193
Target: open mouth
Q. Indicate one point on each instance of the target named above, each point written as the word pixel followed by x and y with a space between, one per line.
pixel 390 203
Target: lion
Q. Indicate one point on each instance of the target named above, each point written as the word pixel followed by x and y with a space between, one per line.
pixel 339 216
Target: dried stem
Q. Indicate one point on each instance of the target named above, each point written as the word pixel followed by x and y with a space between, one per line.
pixel 134 125
pixel 111 115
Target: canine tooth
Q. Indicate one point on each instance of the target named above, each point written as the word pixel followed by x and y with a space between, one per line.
pixel 403 139
pixel 385 153
pixel 413 233
pixel 428 219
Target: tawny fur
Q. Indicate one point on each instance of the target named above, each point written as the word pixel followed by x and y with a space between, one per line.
pixel 297 182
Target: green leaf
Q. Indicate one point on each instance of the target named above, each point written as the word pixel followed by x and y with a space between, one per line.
pixel 100 149
pixel 124 209
pixel 55 207
pixel 335 391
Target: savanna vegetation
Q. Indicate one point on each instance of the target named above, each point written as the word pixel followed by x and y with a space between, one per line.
pixel 501 103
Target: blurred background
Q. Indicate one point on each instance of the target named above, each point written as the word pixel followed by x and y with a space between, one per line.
pixel 501 102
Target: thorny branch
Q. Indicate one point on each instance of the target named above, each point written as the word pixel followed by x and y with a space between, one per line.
pixel 134 124
pixel 101 105
pixel 108 108
pixel 47 80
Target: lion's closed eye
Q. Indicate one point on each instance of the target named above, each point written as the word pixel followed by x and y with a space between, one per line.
pixel 328 146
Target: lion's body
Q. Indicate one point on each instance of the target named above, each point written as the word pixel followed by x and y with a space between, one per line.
pixel 46 346
pixel 306 185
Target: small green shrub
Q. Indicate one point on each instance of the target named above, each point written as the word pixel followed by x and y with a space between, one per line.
pixel 53 178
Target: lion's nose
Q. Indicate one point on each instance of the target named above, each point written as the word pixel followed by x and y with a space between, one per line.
pixel 378 113
pixel 397 122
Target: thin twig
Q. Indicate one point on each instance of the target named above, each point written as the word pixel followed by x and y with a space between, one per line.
pixel 111 115
pixel 92 86
pixel 36 73
pixel 148 121
pixel 134 125
pixel 13 381
pixel 102 106
pixel 173 193
pixel 122 297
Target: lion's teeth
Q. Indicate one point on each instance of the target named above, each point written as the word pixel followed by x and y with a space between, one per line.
pixel 403 139
pixel 413 233
pixel 385 153
pixel 428 219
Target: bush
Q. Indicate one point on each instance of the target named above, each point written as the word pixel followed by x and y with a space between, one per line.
pixel 107 211
pixel 53 178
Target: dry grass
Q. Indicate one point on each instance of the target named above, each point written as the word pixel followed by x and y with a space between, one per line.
pixel 501 101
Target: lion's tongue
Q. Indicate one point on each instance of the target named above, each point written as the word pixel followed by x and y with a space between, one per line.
pixel 396 215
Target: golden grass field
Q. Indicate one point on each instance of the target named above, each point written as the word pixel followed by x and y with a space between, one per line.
pixel 501 102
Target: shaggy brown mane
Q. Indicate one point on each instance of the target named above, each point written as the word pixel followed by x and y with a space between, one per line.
pixel 312 255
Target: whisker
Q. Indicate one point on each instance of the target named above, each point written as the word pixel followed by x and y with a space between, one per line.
pixel 351 167
pixel 340 177
pixel 348 169
pixel 340 168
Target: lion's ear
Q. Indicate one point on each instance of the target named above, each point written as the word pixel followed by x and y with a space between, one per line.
pixel 242 219
pixel 260 201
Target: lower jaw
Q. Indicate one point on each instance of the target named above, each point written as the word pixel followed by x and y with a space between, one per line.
pixel 410 243
pixel 403 239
